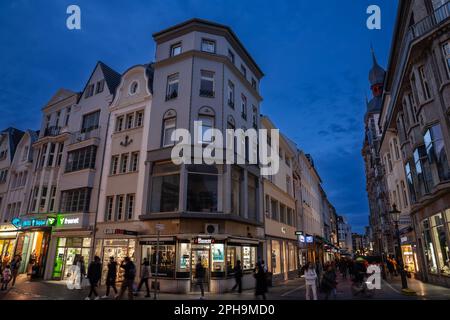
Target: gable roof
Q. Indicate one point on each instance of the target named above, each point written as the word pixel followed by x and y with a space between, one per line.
pixel 112 78
pixel 14 136
pixel 59 96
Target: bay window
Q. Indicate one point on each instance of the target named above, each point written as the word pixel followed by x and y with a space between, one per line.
pixel 202 188
pixel 440 243
pixel 75 200
pixel 446 52
pixel 165 187
pixel 424 179
pixel 437 157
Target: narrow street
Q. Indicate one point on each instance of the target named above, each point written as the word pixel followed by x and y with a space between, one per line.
pixel 289 290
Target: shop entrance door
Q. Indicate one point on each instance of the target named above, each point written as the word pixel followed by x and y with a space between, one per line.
pixel 33 247
pixel 203 253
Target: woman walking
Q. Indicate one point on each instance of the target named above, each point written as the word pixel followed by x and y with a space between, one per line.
pixel 311 281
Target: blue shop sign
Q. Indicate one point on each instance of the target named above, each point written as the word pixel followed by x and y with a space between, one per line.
pixel 33 222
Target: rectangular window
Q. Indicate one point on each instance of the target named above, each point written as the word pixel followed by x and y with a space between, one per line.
pixel 231 56
pixel 114 164
pixel 139 119
pixel 60 153
pixel 243 71
pixel 175 49
pixel 244 106
pixel 119 207
pixel 252 197
pixel 75 200
pixel 66 121
pixel 35 199
pixel 440 242
pixel 100 86
pixel 254 84
pixel 43 155
pixel 202 188
pixel 165 188
pixel 425 84
pixel 123 163
pixel 109 208
pixel 288 185
pixel 89 91
pixel 90 121
pixel 119 123
pixel 51 155
pixel 405 195
pixel 236 194
pixel 130 206
pixel 43 199
pixel 437 156
pixel 274 211
pixel 134 164
pixel 204 134
pixel 169 127
pixel 283 213
pixel 51 206
pixel 208 46
pixel 207 84
pixel 410 182
pixel 231 94
pixel 290 217
pixel 423 173
pixel 81 159
pixel 446 52
pixel 129 121
pixel 172 86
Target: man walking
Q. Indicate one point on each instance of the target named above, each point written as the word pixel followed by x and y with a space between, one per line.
pixel 238 276
pixel 128 281
pixel 200 276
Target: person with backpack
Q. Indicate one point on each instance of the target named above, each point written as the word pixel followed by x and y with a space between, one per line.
pixel 128 282
pixel 145 276
pixel 94 274
pixel 200 276
pixel 238 276
pixel 111 276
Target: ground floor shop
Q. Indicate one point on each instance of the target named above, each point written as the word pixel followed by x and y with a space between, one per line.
pixel 432 226
pixel 282 258
pixel 33 247
pixel 8 234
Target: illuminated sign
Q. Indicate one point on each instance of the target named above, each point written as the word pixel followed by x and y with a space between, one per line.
pixel 203 241
pixel 33 222
pixel 121 231
pixel 309 239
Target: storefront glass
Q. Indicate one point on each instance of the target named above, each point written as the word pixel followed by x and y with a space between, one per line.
pixel 440 244
pixel 276 257
pixel 184 256
pixel 66 251
pixel 234 253
pixel 408 258
pixel 292 257
pixel 6 250
pixel 119 249
pixel 166 258
pixel 218 257
pixel 248 258
pixel 428 247
pixel 33 247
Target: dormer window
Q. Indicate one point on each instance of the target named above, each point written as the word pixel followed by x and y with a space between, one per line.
pixel 89 91
pixel 175 49
pixel 100 86
pixel 208 46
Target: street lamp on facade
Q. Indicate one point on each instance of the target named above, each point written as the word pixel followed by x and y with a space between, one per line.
pixel 395 214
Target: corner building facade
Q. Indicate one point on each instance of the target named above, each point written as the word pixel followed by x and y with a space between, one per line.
pixel 209 212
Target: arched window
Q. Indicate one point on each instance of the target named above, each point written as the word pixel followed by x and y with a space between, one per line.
pixel 169 126
pixel 206 115
pixel 134 86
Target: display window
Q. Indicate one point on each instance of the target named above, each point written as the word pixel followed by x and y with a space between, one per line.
pixel 292 256
pixel 33 247
pixel 67 252
pixel 117 248
pixel 184 257
pixel 166 258
pixel 6 251
pixel 408 258
pixel 276 257
pixel 218 257
pixel 248 258
pixel 428 247
pixel 440 244
pixel 234 253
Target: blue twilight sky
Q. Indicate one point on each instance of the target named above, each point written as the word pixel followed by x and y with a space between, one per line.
pixel 315 54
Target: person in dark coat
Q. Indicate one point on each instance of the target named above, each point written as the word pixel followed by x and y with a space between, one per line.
pixel 128 282
pixel 328 281
pixel 200 276
pixel 94 274
pixel 111 277
pixel 15 266
pixel 261 281
pixel 238 276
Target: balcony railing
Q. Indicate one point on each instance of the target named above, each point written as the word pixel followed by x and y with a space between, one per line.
pixel 414 32
pixel 84 135
pixel 52 131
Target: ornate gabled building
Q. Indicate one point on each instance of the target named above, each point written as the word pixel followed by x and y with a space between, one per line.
pixel 375 182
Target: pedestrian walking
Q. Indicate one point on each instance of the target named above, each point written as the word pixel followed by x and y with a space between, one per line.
pixel 390 267
pixel 94 274
pixel 111 276
pixel 343 269
pixel 15 266
pixel 82 267
pixel 128 282
pixel 311 281
pixel 200 276
pixel 261 281
pixel 6 277
pixel 329 282
pixel 238 276
pixel 145 276
pixel 319 271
